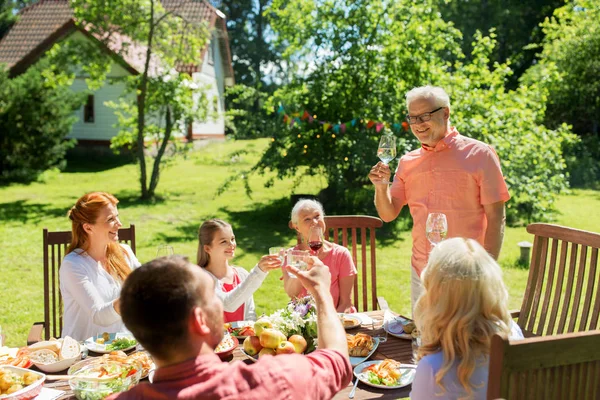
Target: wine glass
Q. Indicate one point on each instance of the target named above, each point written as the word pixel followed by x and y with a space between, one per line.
pixel 164 250
pixel 436 228
pixel 387 150
pixel 315 238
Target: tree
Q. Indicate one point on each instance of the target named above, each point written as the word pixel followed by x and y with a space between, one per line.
pixel 160 99
pixel 257 65
pixel 358 60
pixel 515 22
pixel 36 114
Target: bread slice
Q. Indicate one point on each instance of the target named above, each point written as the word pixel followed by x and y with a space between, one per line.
pixel 52 345
pixel 70 348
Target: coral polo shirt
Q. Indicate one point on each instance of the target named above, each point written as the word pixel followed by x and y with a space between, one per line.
pixel 457 177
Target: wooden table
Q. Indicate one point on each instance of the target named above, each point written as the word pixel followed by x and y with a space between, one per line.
pixel 397 349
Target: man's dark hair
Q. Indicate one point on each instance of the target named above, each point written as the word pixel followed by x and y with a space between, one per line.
pixel 156 302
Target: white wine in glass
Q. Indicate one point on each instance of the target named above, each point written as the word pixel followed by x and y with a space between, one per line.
pixel 387 150
pixel 436 228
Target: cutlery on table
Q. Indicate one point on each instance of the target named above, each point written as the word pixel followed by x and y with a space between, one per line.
pixel 351 395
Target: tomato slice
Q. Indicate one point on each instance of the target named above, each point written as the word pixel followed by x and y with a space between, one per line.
pixel 132 372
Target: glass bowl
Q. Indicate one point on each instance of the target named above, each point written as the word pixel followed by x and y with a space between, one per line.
pixel 104 377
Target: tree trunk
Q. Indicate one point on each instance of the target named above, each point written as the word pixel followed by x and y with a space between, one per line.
pixel 141 121
pixel 161 151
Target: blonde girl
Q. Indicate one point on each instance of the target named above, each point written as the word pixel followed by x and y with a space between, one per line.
pixel 464 304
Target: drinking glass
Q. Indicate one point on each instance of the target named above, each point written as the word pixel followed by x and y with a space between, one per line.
pixel 416 343
pixel 164 250
pixel 277 251
pixel 387 150
pixel 379 331
pixel 315 238
pixel 436 228
pixel 298 259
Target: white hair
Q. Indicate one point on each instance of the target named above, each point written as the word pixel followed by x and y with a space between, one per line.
pixel 305 204
pixel 439 95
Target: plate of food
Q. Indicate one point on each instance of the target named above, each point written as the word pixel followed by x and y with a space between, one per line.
pixel 96 377
pixel 15 357
pixel 398 326
pixel 141 358
pixel 20 383
pixel 385 374
pixel 360 347
pixel 54 355
pixel 226 347
pixel 349 321
pixel 240 329
pixel 107 342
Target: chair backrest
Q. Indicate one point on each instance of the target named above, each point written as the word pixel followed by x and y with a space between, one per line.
pixel 564 366
pixel 357 234
pixel 562 293
pixel 55 248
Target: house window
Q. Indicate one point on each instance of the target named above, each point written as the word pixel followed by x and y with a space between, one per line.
pixel 88 110
pixel 211 57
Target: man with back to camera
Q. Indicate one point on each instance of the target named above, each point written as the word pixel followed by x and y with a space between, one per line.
pixel 450 174
pixel 171 308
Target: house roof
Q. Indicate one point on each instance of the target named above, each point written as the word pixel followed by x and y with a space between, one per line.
pixel 46 22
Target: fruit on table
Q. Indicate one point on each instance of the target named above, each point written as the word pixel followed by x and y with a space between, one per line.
pixel 252 345
pixel 286 347
pixel 271 338
pixel 299 343
pixel 262 324
pixel 266 352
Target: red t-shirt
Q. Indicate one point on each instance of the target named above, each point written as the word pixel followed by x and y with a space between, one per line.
pixel 237 315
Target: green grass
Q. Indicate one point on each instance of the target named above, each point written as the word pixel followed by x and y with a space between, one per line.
pixel 187 191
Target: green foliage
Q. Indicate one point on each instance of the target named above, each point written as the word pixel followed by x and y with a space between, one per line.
pixel 159 101
pixel 244 120
pixel 36 114
pixel 360 59
pixel 569 66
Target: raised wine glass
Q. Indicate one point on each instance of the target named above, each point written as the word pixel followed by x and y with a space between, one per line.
pixel 387 150
pixel 315 238
pixel 436 228
pixel 164 250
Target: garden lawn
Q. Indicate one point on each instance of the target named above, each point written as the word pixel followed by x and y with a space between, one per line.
pixel 187 197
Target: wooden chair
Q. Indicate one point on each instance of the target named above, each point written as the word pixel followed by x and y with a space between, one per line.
pixel 557 367
pixel 357 234
pixel 55 246
pixel 562 293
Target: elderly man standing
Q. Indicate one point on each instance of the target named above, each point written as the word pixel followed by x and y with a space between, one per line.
pixel 170 306
pixel 450 174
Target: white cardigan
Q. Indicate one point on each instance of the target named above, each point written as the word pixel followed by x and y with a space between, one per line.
pixel 88 293
pixel 242 294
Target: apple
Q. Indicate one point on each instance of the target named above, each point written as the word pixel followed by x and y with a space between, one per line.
pixel 271 338
pixel 299 343
pixel 252 345
pixel 266 352
pixel 262 324
pixel 286 347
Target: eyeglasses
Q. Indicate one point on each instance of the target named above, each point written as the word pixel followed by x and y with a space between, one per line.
pixel 423 117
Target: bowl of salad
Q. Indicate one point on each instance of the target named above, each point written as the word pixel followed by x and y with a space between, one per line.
pixel 97 378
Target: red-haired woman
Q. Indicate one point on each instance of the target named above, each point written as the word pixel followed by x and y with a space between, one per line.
pixel 93 271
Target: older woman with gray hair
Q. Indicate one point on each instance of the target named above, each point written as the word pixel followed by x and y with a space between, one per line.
pixel 306 214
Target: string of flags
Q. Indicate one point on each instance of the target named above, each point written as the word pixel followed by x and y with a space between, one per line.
pixel 298 118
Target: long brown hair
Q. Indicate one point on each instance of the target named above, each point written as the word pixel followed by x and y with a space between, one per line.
pixel 206 234
pixel 86 211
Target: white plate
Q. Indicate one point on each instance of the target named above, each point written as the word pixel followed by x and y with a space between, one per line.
pixel 357 360
pixel 408 375
pixel 91 344
pixel 356 320
pixel 392 324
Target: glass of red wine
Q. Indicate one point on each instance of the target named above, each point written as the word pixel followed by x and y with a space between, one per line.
pixel 315 238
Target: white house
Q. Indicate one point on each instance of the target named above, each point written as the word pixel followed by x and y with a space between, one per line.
pixel 47 22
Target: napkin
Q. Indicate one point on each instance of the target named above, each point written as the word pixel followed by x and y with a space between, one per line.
pixel 364 318
pixel 49 394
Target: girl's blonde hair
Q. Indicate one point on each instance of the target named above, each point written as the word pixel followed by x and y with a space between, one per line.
pixel 463 305
pixel 206 234
pixel 86 210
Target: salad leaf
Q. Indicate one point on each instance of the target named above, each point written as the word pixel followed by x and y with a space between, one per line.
pixel 120 344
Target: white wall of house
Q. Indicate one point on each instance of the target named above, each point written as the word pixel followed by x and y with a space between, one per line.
pixel 211 79
pixel 104 125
